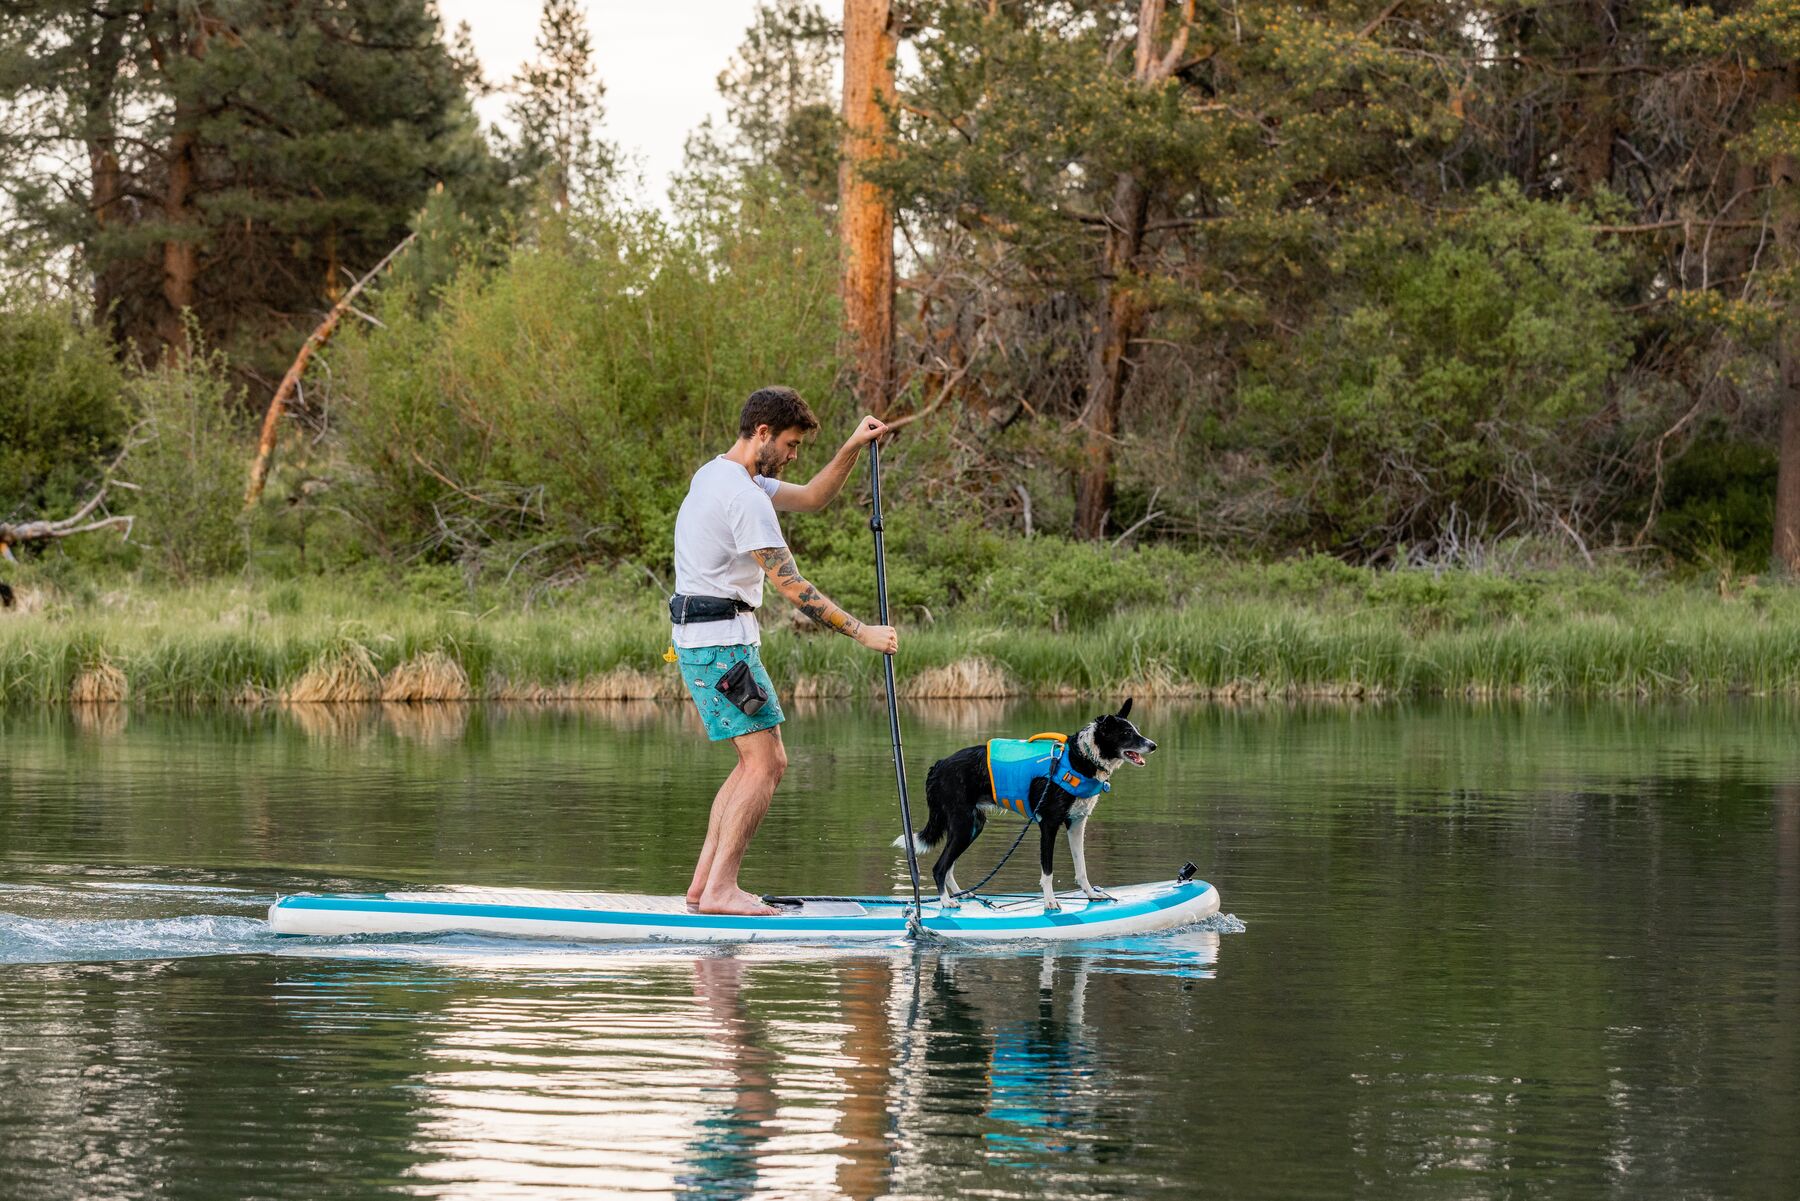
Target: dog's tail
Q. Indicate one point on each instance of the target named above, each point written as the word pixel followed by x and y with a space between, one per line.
pixel 935 826
pixel 920 846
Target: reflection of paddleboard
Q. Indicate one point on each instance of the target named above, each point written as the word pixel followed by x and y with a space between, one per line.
pixel 623 917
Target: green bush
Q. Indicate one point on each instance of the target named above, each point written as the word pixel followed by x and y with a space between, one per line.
pixel 1719 503
pixel 1452 599
pixel 189 472
pixel 1453 372
pixel 562 399
pixel 60 410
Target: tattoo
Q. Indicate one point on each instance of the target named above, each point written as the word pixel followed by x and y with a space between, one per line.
pixel 779 566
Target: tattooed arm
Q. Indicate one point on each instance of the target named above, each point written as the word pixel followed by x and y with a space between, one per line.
pixel 784 574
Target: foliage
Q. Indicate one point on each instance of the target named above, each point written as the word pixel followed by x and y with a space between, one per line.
pixel 1451 370
pixel 555 406
pixel 60 410
pixel 780 96
pixel 283 145
pixel 189 471
pixel 1718 500
pixel 558 107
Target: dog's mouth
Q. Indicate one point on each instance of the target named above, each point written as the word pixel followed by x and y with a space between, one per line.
pixel 1134 757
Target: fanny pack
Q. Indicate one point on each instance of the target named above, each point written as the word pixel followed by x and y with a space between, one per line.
pixel 691 610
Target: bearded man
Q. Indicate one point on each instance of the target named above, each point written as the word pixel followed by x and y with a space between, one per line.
pixel 727 542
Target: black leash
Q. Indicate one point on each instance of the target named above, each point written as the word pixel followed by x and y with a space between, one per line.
pixel 887 663
pixel 1023 831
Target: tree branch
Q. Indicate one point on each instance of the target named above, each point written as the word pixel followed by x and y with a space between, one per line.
pixel 265 447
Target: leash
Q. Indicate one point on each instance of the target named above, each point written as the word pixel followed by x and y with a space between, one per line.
pixel 913 924
pixel 970 892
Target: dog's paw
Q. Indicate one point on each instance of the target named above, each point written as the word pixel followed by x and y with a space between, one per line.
pixel 949 903
pixel 1099 894
pixel 1052 906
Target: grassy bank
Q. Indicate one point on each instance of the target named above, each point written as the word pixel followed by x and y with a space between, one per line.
pixel 1311 628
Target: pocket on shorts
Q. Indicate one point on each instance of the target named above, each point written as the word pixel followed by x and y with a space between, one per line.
pixel 700 664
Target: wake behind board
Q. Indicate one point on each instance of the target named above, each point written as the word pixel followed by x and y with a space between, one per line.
pixel 624 917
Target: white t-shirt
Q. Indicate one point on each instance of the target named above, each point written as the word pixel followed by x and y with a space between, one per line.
pixel 727 514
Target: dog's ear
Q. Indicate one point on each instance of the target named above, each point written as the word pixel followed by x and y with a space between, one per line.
pixel 1125 709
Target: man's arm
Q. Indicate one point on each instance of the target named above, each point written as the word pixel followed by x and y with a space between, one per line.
pixel 778 565
pixel 823 488
pixel 782 572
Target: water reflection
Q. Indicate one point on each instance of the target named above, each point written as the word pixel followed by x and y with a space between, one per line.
pixel 1495 951
pixel 560 1071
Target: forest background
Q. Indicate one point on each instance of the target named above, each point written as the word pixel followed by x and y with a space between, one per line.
pixel 1342 346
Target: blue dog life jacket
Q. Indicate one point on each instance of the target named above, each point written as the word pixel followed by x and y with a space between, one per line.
pixel 1013 763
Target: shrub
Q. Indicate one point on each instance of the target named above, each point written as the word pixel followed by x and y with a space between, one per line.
pixel 563 398
pixel 1454 373
pixel 60 409
pixel 1719 503
pixel 190 470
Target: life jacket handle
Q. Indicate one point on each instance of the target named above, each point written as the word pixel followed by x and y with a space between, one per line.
pixel 1048 737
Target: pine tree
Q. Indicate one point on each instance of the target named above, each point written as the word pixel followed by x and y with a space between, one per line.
pixel 559 107
pixel 1109 164
pixel 780 92
pixel 241 156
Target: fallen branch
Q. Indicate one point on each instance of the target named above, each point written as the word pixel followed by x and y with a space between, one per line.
pixel 265 446
pixel 18 534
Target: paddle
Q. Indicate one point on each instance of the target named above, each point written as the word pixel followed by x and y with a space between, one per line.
pixel 887 662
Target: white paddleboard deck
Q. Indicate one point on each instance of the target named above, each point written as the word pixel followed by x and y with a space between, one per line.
pixel 628 917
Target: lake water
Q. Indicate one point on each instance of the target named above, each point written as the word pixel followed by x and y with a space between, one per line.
pixel 1470 952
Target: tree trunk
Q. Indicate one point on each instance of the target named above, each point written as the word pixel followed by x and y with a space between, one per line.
pixel 181 246
pixel 106 183
pixel 865 211
pixel 1122 307
pixel 1597 109
pixel 1109 361
pixel 1784 179
pixel 181 264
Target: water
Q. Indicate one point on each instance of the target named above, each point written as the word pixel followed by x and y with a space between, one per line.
pixel 1471 952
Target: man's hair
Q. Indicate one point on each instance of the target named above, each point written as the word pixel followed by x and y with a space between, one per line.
pixel 780 409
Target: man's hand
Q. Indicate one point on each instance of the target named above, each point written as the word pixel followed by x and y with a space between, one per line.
pixel 867 430
pixel 881 639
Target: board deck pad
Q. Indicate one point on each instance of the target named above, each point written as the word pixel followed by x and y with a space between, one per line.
pixel 628 917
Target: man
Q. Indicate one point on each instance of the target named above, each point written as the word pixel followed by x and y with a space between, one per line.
pixel 727 542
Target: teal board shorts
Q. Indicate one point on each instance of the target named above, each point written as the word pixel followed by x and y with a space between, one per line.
pixel 701 667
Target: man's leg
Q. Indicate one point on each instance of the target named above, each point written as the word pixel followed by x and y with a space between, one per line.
pixel 761 761
pixel 703 869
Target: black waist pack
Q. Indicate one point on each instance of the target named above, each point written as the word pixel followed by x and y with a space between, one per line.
pixel 741 689
pixel 689 610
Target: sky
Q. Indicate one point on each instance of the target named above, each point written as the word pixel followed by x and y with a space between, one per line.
pixel 659 62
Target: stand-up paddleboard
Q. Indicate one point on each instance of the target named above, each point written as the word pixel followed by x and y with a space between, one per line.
pixel 622 917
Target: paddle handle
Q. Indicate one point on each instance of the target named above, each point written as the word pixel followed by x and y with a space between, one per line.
pixel 887 663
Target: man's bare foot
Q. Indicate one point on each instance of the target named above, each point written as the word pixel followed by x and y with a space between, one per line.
pixel 736 902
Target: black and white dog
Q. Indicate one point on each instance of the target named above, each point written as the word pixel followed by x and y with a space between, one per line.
pixel 963 788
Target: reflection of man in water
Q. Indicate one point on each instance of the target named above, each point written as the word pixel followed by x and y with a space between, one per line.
pixel 866 1163
pixel 723 1159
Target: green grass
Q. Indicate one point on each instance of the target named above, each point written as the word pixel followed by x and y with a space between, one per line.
pixel 1310 629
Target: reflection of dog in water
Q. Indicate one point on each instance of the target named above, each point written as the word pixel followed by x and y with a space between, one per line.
pixel 1033 1070
pixel 1043 779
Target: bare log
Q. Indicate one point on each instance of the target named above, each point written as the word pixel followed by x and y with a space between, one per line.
pixel 265 446
pixel 20 533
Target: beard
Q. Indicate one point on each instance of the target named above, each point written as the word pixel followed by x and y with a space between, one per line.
pixel 770 463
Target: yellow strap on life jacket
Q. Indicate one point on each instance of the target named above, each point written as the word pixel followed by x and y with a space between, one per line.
pixel 1048 737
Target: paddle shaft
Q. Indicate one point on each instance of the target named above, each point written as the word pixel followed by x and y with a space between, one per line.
pixel 887 662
